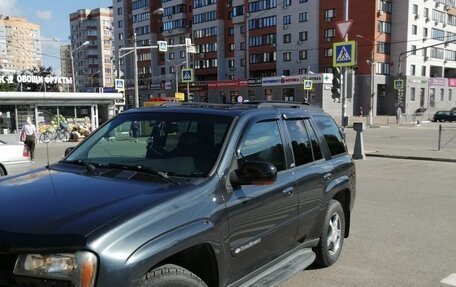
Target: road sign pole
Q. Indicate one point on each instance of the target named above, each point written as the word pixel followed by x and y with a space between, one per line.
pixel 344 69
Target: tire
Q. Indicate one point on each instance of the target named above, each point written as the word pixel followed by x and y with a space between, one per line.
pixel 332 238
pixel 64 136
pixel 46 137
pixel 2 172
pixel 171 276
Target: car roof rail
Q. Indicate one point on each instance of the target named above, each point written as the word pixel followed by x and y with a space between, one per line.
pixel 276 104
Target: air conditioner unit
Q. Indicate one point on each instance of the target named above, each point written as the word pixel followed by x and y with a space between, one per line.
pixel 436 23
pixel 379 13
pixel 299 42
pixel 285 27
pixel 444 25
pixel 170 17
pixel 417 16
pixel 427 19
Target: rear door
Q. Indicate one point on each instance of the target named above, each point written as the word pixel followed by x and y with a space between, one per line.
pixel 262 219
pixel 311 170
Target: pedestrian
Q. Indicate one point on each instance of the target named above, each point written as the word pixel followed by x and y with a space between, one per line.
pixel 134 128
pixel 30 137
pixel 361 111
pixel 398 114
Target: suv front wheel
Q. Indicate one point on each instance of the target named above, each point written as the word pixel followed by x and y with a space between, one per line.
pixel 332 238
pixel 171 275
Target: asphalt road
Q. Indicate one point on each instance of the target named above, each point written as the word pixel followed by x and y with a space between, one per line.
pixel 403 228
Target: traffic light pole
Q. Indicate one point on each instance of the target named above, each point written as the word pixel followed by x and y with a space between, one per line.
pixel 344 73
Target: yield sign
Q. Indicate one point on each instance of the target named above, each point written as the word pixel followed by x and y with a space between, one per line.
pixel 343 27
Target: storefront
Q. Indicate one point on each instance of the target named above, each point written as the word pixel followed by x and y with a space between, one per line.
pixel 45 109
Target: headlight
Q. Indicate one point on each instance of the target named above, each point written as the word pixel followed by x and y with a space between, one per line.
pixel 79 268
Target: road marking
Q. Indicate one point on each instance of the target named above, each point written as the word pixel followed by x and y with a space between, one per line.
pixel 450 280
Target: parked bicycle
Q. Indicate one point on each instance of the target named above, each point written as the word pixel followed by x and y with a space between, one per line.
pixel 62 134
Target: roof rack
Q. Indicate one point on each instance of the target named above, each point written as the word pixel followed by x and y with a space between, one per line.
pixel 246 105
pixel 276 104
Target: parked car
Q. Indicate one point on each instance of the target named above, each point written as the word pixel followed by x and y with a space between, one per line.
pixel 11 153
pixel 203 195
pixel 444 116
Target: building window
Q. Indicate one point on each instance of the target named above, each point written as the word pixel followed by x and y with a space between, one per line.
pixel 330 33
pixel 412 70
pixel 287 20
pixel 303 17
pixel 119 24
pixel 302 54
pixel 171 55
pixel 442 95
pixel 287 38
pixel 286 72
pixel 183 54
pixel 384 48
pixel 328 52
pixel 303 36
pixel 119 11
pixel 287 56
pixel 230 63
pixel 414 29
pixel 425 32
pixel 415 9
pixel 412 94
pixel 450 93
pixel 285 3
pixel 413 48
pixel 384 27
pixel 329 14
pixel 423 71
pixel 383 68
pixel 385 6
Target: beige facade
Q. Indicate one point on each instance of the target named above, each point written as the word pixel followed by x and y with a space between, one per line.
pixel 65 60
pixel 92 48
pixel 20 46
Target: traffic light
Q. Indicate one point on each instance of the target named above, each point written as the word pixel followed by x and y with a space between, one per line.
pixel 335 90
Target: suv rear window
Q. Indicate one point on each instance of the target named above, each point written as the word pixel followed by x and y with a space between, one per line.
pixel 332 134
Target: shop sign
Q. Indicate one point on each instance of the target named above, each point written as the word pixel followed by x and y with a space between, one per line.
pixel 436 81
pixel 324 78
pixel 194 86
pixel 10 79
pixel 452 82
pixel 254 82
pixel 156 86
pixel 224 84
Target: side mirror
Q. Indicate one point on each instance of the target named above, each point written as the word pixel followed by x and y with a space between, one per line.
pixel 254 173
pixel 68 150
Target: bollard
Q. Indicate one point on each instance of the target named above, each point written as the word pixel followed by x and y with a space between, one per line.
pixel 358 152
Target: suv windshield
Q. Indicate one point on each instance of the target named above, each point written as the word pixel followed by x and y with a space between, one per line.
pixel 174 144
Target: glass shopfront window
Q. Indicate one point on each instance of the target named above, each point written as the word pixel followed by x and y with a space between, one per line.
pixel 23 112
pixel 7 119
pixel 47 117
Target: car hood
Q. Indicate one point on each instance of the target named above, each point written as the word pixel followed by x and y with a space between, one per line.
pixel 71 202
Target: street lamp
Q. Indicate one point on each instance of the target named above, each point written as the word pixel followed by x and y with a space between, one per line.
pixel 72 62
pixel 176 69
pixel 372 63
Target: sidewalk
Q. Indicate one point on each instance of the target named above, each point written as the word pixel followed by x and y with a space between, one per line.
pixel 417 142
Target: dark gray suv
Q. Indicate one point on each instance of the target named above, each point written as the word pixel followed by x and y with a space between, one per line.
pixel 190 194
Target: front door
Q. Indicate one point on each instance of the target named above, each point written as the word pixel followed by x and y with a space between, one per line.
pixel 262 219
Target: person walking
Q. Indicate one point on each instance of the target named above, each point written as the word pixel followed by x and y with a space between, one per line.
pixel 30 137
pixel 134 129
pixel 398 114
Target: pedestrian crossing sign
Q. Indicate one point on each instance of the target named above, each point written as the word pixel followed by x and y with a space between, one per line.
pixel 344 54
pixel 119 85
pixel 308 84
pixel 398 84
pixel 162 46
pixel 187 75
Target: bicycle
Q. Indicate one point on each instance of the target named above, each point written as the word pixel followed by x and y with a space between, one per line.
pixel 61 133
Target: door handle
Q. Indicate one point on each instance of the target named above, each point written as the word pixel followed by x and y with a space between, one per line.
pixel 288 191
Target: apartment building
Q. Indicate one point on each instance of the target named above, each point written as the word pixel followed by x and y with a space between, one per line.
pixel 425 52
pixel 92 48
pixel 20 44
pixel 65 61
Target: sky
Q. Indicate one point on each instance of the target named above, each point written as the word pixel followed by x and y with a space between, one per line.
pixel 53 18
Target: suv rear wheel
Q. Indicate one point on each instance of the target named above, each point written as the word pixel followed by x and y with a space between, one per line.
pixel 171 275
pixel 332 238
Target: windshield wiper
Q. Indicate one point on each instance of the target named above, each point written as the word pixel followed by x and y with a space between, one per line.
pixel 89 166
pixel 140 168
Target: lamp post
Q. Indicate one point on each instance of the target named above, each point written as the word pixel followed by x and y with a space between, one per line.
pixel 72 63
pixel 176 69
pixel 372 63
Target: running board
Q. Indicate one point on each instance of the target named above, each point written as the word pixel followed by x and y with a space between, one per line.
pixel 275 273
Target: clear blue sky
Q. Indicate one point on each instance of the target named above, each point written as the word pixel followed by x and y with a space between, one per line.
pixel 53 18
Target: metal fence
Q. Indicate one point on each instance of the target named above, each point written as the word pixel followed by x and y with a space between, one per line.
pixel 447 138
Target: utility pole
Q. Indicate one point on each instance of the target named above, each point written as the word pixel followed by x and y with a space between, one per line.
pixel 135 67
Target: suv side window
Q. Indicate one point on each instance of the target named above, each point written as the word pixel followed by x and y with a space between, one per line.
pixel 332 134
pixel 313 138
pixel 264 143
pixel 300 142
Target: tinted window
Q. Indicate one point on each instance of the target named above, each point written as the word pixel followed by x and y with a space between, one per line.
pixel 300 141
pixel 332 134
pixel 263 143
pixel 313 138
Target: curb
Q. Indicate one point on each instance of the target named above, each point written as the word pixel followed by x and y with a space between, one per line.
pixel 411 157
